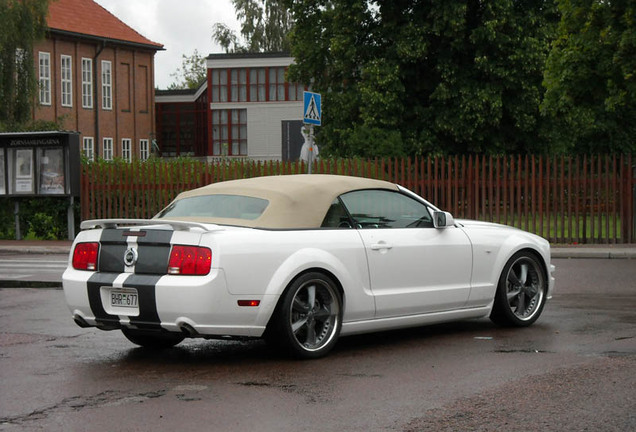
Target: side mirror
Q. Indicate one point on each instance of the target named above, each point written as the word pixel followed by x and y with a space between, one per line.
pixel 442 219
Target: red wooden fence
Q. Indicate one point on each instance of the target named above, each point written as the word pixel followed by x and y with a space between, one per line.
pixel 586 199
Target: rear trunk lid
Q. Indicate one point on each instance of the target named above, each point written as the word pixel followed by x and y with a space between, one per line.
pixel 143 246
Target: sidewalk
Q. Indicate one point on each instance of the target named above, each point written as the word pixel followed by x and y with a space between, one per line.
pixel 35 246
pixel 558 251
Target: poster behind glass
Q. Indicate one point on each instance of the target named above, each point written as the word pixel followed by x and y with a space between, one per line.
pixel 3 187
pixel 23 171
pixel 51 164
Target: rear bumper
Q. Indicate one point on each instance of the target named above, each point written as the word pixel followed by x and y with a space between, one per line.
pixel 198 306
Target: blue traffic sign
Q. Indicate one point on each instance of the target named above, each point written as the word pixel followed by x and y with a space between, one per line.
pixel 312 110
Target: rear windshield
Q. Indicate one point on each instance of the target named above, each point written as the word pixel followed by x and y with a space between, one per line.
pixel 216 206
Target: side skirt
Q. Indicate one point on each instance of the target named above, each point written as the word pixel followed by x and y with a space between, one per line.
pixel 368 326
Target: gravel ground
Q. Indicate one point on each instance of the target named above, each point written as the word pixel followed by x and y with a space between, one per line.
pixel 585 398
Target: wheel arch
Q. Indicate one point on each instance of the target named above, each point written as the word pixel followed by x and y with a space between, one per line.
pixel 540 259
pixel 305 271
pixel 516 244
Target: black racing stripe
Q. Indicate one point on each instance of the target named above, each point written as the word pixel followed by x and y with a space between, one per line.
pixel 154 252
pixel 153 259
pixel 95 282
pixel 112 235
pixel 112 250
pixel 156 237
pixel 111 258
pixel 145 285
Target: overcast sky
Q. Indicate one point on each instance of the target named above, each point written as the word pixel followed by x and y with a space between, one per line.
pixel 180 25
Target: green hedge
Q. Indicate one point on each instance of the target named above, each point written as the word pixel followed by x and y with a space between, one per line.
pixel 41 218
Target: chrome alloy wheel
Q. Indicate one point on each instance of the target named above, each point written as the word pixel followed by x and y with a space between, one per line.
pixel 315 314
pixel 525 288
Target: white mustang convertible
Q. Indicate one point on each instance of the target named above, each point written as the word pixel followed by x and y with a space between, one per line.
pixel 300 260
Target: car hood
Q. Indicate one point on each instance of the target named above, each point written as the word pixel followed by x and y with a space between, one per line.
pixel 469 223
pixel 489 232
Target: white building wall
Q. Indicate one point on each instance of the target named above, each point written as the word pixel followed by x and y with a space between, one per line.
pixel 264 125
pixel 264 119
pixel 264 128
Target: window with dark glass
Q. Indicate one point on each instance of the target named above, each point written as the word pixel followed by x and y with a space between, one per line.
pixel 336 216
pixel 386 209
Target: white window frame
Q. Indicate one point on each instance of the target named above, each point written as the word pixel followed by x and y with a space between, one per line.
pixel 88 148
pixel 144 149
pixel 107 153
pixel 66 81
pixel 126 149
pixel 87 82
pixel 44 59
pixel 107 85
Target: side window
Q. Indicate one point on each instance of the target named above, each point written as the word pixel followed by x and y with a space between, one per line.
pixel 336 216
pixel 386 209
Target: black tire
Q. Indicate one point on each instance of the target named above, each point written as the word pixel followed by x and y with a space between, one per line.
pixel 521 292
pixel 152 340
pixel 308 320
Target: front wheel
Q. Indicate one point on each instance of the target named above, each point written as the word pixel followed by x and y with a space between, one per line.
pixel 152 340
pixel 521 292
pixel 309 319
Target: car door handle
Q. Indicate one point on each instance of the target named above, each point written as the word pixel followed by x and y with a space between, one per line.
pixel 380 246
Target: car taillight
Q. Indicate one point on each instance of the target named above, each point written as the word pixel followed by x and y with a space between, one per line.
pixel 85 256
pixel 189 260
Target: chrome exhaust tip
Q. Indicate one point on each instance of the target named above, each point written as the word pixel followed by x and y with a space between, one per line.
pixel 81 321
pixel 188 330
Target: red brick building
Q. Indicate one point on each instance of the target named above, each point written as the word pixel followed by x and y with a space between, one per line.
pixel 96 76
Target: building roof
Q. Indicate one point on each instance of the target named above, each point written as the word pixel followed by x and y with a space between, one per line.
pixel 87 18
pixel 239 60
pixel 247 55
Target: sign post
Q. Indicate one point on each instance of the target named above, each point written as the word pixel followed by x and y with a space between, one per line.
pixel 312 116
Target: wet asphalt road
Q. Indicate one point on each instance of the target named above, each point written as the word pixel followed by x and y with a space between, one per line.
pixel 574 370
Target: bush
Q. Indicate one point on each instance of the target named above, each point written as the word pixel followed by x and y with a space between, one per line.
pixel 41 218
pixel 43 226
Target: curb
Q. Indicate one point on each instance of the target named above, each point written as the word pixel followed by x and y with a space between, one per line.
pixel 41 250
pixel 593 253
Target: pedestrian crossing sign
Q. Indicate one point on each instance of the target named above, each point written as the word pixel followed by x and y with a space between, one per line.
pixel 312 111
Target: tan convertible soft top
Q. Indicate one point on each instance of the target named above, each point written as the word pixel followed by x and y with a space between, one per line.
pixel 295 201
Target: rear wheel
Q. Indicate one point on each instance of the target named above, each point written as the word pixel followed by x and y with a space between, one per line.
pixel 309 319
pixel 152 340
pixel 521 291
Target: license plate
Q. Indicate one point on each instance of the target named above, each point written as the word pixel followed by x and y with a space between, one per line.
pixel 124 298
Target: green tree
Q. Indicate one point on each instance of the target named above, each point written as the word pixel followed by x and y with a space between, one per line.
pixel 590 77
pixel 265 25
pixel 449 75
pixel 191 74
pixel 22 23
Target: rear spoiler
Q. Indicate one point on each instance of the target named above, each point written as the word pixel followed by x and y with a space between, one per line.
pixel 176 225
